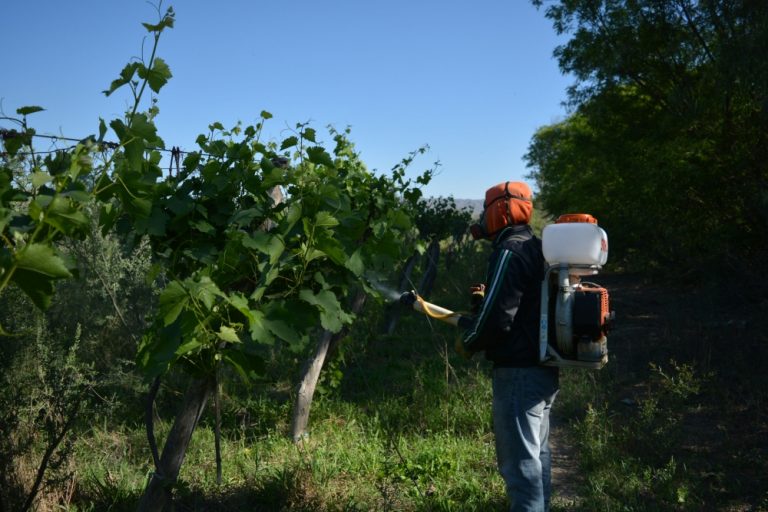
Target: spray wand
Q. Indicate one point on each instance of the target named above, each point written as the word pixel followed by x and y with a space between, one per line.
pixel 414 300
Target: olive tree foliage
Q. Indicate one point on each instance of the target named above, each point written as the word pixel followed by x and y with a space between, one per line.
pixel 666 143
pixel 46 390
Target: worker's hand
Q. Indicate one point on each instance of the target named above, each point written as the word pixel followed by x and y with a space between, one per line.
pixel 478 294
pixel 460 349
pixel 477 288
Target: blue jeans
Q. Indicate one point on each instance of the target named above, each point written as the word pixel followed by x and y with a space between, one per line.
pixel 522 398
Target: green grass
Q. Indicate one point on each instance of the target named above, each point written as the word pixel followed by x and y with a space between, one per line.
pixel 412 442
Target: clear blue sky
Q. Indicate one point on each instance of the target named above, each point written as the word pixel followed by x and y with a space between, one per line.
pixel 473 80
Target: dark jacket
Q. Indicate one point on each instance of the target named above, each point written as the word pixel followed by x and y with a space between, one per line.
pixel 507 325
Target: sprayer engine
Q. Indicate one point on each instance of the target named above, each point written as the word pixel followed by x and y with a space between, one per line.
pixel 591 316
pixel 575 314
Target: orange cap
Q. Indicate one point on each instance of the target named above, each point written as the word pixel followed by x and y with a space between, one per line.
pixel 576 217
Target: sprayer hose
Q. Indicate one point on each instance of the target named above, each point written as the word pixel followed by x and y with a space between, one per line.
pixel 432 314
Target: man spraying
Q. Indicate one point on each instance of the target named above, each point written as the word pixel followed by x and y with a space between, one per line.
pixel 506 327
pixel 533 316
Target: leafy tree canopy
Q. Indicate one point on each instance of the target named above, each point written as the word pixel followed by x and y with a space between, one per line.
pixel 666 142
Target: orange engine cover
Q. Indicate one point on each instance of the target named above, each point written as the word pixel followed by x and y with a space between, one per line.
pixel 591 312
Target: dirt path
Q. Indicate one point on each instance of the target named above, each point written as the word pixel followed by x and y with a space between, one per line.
pixel 566 477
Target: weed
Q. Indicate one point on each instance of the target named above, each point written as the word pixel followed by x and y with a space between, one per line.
pixel 629 460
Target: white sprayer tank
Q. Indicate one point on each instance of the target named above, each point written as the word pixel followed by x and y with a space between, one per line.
pixel 575 243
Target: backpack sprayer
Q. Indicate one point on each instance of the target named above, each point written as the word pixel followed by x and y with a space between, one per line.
pixel 575 314
pixel 575 246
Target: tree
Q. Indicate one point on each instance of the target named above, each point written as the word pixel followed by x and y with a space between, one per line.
pixel 667 138
pixel 388 204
